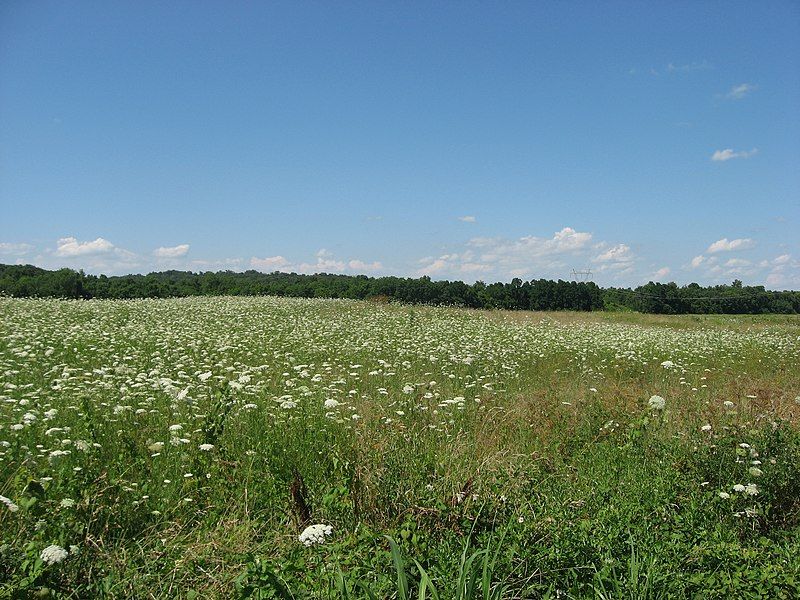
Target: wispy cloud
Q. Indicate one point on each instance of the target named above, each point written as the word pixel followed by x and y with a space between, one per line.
pixel 728 154
pixel 697 261
pixel 661 273
pixel 738 92
pixel 737 262
pixel 171 251
pixel 10 249
pixel 702 65
pixel 467 219
pixel 268 264
pixel 674 69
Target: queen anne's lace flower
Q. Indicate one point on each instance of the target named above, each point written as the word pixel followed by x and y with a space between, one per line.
pixel 656 403
pixel 315 534
pixel 53 554
pixel 751 489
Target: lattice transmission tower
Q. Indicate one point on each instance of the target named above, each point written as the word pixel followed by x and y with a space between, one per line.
pixel 584 275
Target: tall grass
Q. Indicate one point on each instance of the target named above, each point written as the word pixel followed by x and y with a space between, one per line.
pixel 179 448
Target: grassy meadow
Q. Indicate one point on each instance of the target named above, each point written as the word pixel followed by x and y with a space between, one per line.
pixel 182 448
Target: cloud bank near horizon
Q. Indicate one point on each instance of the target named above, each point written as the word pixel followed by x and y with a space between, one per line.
pixel 613 262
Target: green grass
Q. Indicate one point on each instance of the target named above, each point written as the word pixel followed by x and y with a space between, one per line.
pixel 178 448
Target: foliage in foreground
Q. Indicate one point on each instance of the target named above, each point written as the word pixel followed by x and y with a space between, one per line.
pixel 178 448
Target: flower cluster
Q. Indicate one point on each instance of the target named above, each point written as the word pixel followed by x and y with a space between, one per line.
pixel 315 534
pixel 53 554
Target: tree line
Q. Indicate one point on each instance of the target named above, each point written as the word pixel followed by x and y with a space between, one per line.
pixel 538 294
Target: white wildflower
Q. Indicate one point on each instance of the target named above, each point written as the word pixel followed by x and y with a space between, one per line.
pixel 315 534
pixel 53 554
pixel 9 504
pixel 656 403
pixel 751 489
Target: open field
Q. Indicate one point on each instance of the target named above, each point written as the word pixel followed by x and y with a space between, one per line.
pixel 178 448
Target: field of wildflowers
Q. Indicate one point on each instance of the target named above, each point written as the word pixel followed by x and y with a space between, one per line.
pixel 284 448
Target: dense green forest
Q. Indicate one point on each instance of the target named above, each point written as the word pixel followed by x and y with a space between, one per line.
pixel 538 294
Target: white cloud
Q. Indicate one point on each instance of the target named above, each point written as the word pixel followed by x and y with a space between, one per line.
pixel 728 154
pixel 69 247
pixel 726 245
pixel 618 253
pixel 502 257
pixel 455 265
pixel 467 219
pixel 785 273
pixel 96 256
pixel 525 248
pixel 740 91
pixel 10 249
pixel 781 271
pixel 363 267
pixel 171 251
pixel 434 266
pixel 326 263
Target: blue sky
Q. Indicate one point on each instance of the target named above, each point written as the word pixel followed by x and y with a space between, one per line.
pixel 656 141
